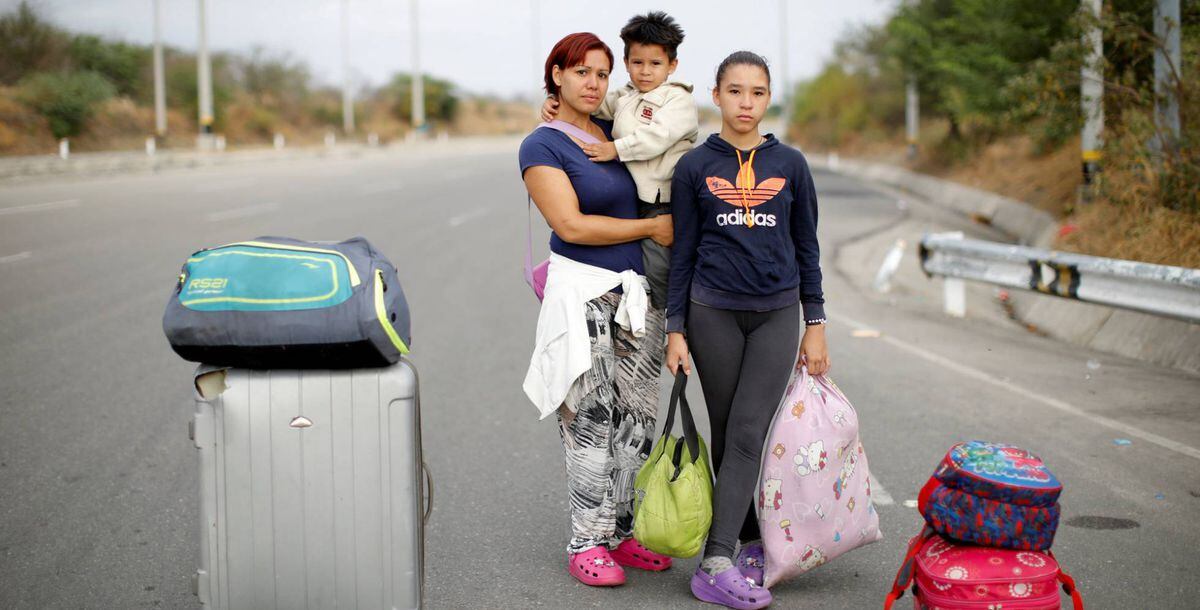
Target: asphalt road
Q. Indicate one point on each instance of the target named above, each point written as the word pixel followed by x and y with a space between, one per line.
pixel 98 478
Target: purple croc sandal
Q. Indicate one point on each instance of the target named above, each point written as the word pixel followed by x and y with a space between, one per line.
pixel 730 589
pixel 752 561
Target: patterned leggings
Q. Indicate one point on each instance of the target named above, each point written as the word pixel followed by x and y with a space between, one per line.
pixel 610 433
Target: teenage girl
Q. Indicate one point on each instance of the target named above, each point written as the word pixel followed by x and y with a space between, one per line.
pixel 745 269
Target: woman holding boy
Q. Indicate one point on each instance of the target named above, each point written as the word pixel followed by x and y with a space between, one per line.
pixel 599 345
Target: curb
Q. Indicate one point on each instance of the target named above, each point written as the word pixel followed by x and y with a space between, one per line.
pixel 1026 224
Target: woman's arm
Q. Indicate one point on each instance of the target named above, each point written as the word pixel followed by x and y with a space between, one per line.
pixel 813 347
pixel 551 190
pixel 808 250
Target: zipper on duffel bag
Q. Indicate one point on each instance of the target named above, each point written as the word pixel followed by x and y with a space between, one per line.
pixel 1046 602
pixel 382 314
pixel 354 278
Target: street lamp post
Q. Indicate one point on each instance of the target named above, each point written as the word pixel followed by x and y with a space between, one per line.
pixel 785 97
pixel 535 52
pixel 1166 65
pixel 1092 94
pixel 160 92
pixel 204 80
pixel 912 115
pixel 347 97
pixel 418 85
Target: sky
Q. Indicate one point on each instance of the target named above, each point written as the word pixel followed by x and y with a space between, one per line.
pixel 484 47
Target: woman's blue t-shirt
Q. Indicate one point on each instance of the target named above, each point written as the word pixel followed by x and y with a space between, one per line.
pixel 603 189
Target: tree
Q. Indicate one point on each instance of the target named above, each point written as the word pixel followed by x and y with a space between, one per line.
pixel 28 44
pixel 964 52
pixel 121 63
pixel 441 103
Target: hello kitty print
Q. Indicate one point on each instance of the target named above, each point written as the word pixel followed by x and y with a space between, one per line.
pixel 814 497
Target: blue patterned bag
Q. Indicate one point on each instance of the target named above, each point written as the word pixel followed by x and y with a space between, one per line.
pixel 993 495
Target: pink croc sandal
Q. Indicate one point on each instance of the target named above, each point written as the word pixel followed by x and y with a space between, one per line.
pixel 596 568
pixel 632 554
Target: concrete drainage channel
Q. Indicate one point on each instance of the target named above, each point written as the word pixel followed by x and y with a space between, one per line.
pixel 1151 338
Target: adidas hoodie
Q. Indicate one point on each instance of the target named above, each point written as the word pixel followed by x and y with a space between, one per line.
pixel 745 232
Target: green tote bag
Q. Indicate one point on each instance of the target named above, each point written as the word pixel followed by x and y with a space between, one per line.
pixel 673 506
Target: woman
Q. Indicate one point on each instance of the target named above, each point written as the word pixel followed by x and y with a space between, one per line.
pixel 744 265
pixel 599 347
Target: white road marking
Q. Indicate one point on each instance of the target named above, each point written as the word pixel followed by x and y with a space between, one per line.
pixel 1053 403
pixel 462 219
pixel 40 207
pixel 253 210
pixel 224 185
pixel 12 258
pixel 384 187
pixel 879 495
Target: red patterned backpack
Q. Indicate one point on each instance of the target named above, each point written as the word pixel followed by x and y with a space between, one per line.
pixel 993 495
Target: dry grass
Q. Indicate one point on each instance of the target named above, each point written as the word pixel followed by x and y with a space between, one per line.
pixel 121 124
pixel 1152 234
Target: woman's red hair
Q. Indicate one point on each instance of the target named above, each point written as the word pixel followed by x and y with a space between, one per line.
pixel 570 52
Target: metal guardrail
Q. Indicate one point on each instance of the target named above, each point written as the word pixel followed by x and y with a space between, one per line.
pixel 1156 289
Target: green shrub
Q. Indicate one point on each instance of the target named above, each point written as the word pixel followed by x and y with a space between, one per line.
pixel 66 99
pixel 441 102
pixel 121 63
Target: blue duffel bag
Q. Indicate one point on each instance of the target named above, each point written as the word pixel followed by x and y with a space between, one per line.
pixel 277 302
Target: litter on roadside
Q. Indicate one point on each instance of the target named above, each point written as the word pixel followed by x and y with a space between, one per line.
pixel 865 333
pixel 1121 442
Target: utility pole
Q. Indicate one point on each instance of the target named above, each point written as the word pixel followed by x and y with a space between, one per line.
pixel 912 115
pixel 1092 95
pixel 418 84
pixel 785 97
pixel 1166 73
pixel 535 49
pixel 347 98
pixel 160 90
pixel 204 80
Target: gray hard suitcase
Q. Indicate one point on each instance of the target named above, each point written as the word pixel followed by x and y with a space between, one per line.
pixel 313 492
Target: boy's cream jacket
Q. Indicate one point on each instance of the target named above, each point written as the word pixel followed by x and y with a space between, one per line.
pixel 652 132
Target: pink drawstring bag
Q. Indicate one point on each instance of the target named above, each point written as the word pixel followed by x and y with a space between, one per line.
pixel 814 494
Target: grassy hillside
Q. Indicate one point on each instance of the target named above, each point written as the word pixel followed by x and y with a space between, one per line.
pixel 99 93
pixel 1001 110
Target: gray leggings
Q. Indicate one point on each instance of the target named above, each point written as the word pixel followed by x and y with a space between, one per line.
pixel 744 359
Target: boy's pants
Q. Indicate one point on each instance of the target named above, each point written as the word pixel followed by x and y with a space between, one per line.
pixel 655 257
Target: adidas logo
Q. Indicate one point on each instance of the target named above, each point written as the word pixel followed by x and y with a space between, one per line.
pixel 738 218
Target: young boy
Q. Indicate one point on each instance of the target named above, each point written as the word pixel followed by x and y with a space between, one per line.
pixel 654 123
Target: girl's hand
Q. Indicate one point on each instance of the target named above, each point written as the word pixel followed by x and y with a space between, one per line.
pixel 677 354
pixel 814 351
pixel 663 231
pixel 549 109
pixel 604 151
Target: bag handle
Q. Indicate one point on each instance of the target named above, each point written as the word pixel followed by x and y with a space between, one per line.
pixel 690 435
pixel 529 242
pixel 571 130
pixel 904 576
pixel 1068 584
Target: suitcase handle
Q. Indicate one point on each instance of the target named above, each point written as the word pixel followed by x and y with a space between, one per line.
pixel 428 493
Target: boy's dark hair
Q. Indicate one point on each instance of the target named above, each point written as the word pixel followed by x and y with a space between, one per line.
pixel 743 58
pixel 654 27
